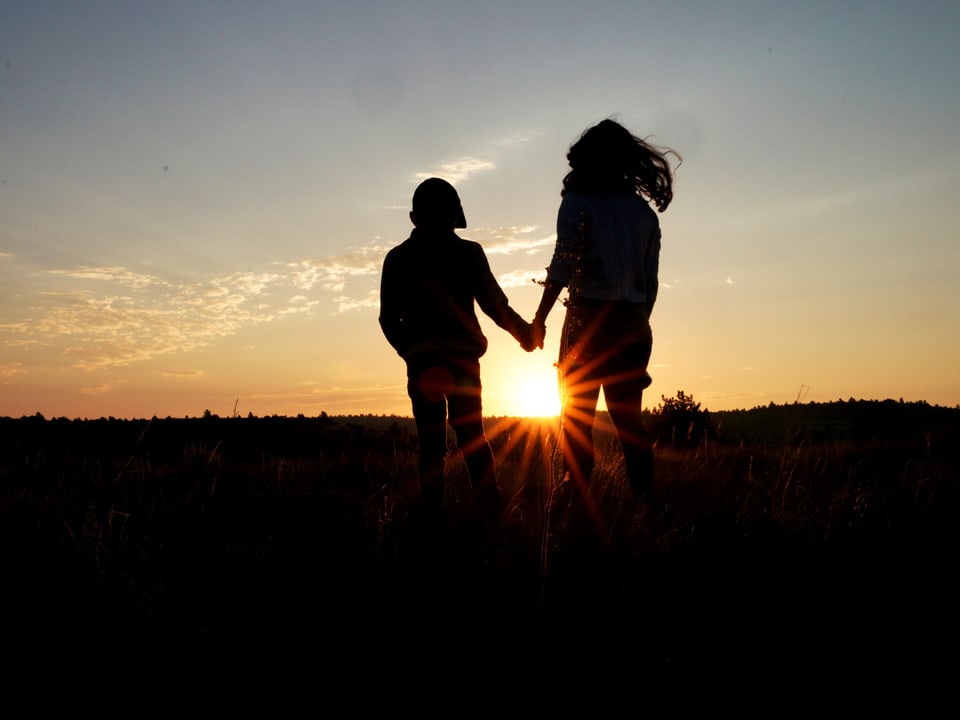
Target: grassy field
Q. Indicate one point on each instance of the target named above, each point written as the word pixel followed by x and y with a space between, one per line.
pixel 777 549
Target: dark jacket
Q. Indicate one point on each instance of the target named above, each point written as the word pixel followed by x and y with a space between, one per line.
pixel 427 291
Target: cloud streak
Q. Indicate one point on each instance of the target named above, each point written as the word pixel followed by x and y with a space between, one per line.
pixel 101 317
pixel 332 273
pixel 119 317
pixel 458 170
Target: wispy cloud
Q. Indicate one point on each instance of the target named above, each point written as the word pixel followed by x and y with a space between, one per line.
pixel 115 316
pixel 248 283
pixel 97 332
pixel 518 137
pixel 118 275
pixel 99 317
pixel 520 278
pixel 11 369
pixel 521 240
pixel 331 273
pixel 371 300
pixel 458 170
pixel 512 240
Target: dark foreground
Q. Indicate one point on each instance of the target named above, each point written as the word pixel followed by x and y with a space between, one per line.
pixel 159 570
pixel 305 582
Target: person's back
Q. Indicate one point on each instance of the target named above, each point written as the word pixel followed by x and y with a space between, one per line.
pixel 437 277
pixel 428 289
pixel 616 238
pixel 607 256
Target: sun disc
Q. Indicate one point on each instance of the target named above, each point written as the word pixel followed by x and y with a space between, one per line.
pixel 537 395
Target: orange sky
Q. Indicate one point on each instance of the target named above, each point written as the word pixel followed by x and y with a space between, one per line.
pixel 197 198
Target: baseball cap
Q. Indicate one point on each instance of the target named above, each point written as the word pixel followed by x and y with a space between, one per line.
pixel 436 199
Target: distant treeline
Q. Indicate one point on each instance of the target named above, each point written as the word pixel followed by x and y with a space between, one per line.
pixel 241 438
pixel 857 420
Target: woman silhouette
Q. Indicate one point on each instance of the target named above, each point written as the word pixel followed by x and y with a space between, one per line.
pixel 607 255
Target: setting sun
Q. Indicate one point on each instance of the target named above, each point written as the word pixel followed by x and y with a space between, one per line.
pixel 536 395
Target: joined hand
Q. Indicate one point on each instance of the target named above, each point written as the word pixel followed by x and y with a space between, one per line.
pixel 539 328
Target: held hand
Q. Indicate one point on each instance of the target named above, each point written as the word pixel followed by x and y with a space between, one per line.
pixel 528 337
pixel 539 332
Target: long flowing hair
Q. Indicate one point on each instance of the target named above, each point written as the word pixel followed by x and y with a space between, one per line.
pixel 608 158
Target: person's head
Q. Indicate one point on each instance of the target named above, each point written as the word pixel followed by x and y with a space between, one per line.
pixel 608 158
pixel 436 205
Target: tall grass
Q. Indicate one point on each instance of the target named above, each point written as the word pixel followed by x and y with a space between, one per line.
pixel 288 533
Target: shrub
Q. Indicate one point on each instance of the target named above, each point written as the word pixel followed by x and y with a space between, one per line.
pixel 680 422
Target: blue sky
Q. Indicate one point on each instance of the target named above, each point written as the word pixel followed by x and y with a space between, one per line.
pixel 197 196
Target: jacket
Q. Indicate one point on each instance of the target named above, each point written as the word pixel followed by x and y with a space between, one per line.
pixel 429 286
pixel 612 242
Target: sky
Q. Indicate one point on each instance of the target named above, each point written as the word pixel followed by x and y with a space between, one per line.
pixel 196 197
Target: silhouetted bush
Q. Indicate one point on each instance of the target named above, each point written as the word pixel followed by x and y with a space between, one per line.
pixel 681 422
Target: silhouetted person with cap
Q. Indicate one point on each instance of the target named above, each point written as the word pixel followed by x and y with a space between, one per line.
pixel 428 288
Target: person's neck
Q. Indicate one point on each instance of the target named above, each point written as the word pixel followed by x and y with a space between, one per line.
pixel 432 231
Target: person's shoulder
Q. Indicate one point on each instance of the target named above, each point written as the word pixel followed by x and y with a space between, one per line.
pixel 405 244
pixel 394 251
pixel 468 253
pixel 574 197
pixel 465 244
pixel 628 202
pixel 400 250
pixel 574 203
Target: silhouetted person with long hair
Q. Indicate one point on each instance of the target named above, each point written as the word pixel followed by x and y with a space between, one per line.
pixel 607 255
pixel 428 288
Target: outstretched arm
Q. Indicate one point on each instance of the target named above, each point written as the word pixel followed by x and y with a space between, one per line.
pixel 493 301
